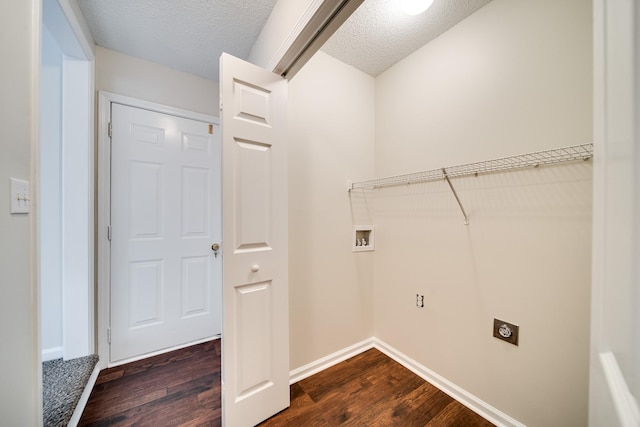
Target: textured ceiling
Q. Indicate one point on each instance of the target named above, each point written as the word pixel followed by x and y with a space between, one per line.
pixel 188 35
pixel 378 34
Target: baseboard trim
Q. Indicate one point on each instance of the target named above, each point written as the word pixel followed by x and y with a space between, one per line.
pixel 156 353
pixel 323 363
pixel 51 354
pixel 84 397
pixel 472 402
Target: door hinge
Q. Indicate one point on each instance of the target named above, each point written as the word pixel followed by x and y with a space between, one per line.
pixel 109 335
pixel 110 129
pixel 109 232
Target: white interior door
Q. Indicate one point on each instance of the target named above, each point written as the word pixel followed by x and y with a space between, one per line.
pixel 165 216
pixel 615 336
pixel 255 345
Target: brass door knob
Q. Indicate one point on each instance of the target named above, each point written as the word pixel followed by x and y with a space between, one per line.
pixel 215 248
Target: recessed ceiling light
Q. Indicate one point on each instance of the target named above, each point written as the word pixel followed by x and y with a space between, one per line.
pixel 415 7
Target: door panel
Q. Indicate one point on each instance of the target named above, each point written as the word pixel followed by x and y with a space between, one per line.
pixel 145 280
pixel 146 200
pixel 254 328
pixel 195 289
pixel 195 190
pixel 253 203
pixel 255 348
pixel 165 215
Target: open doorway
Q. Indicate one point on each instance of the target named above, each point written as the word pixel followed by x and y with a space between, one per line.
pixel 66 192
pixel 65 219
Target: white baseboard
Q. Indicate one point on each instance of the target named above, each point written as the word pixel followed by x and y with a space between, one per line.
pixel 472 402
pixel 328 361
pixel 84 398
pixel 51 353
pixel 156 353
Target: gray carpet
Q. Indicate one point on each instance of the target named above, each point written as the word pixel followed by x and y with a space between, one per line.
pixel 63 382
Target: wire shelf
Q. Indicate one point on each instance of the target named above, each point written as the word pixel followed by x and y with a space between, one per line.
pixel 546 157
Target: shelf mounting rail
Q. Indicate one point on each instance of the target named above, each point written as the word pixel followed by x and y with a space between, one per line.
pixel 535 159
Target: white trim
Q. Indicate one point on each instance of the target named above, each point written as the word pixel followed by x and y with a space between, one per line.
pixel 323 363
pixel 472 402
pixel 84 397
pixel 51 353
pixel 103 213
pixel 624 402
pixel 79 27
pixel 92 206
pixel 105 99
pixel 159 108
pixel 34 233
pixel 163 351
pixel 294 33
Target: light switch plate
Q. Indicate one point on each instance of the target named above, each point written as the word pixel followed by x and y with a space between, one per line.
pixel 20 196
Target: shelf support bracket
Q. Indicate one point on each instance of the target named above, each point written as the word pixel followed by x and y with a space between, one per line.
pixel 453 190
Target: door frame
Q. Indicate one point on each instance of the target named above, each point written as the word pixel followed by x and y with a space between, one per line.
pixel 103 246
pixel 615 342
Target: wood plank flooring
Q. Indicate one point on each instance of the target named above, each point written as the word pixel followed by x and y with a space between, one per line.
pixel 371 389
pixel 182 388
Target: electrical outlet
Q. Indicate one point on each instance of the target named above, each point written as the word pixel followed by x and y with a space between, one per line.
pixel 506 331
pixel 419 300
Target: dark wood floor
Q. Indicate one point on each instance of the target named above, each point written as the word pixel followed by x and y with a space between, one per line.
pixel 371 389
pixel 182 388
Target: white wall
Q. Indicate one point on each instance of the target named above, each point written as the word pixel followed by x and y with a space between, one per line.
pixel 19 359
pixel 77 207
pixel 512 78
pixel 331 120
pixel 126 75
pixel 275 35
pixel 51 197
